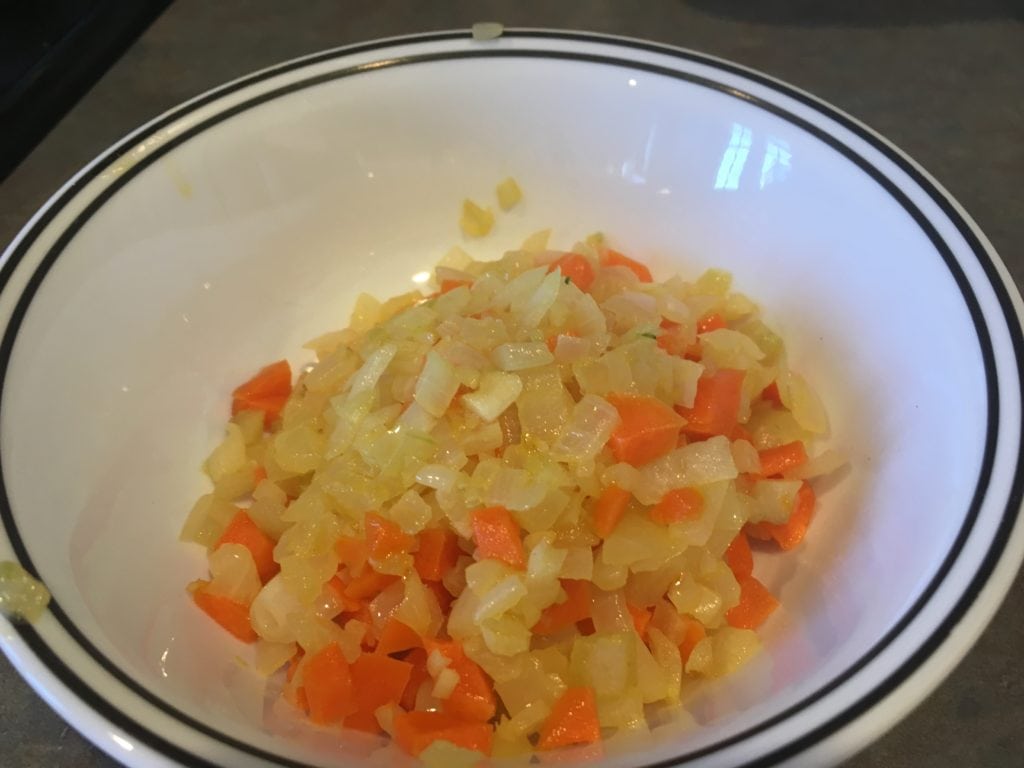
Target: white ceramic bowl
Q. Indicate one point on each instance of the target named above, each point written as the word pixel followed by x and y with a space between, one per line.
pixel 228 231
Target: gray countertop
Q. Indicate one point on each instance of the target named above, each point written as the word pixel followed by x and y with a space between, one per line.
pixel 944 80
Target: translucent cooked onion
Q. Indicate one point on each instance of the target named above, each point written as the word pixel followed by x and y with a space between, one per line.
pixel 521 355
pixel 696 464
pixel 233 573
pixel 590 425
pixel 436 386
pixel 496 392
pixel 272 612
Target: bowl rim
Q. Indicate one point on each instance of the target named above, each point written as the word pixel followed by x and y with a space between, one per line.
pixel 945 645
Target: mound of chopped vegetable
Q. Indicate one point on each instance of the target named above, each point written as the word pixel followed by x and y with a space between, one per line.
pixel 515 514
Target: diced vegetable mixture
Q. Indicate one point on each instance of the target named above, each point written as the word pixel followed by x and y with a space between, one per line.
pixel 516 514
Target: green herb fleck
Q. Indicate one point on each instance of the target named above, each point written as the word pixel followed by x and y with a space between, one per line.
pixel 568 280
pixel 650 335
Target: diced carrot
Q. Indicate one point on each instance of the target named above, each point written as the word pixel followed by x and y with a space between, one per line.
pixel 771 394
pixel 577 268
pixel 609 509
pixel 363 721
pixel 775 461
pixel 267 391
pixel 739 558
pixel 385 538
pixel 352 553
pixel 437 554
pixel 369 585
pixel 417 730
pixel 231 615
pixel 755 606
pixel 641 618
pixel 561 615
pixel 259 474
pixel 473 696
pixel 573 720
pixel 717 405
pixel 648 428
pixel 396 636
pixel 418 675
pixel 677 505
pixel 336 587
pixel 710 322
pixel 242 530
pixel 787 535
pixel 610 258
pixel 377 680
pixel 671 341
pixel 497 536
pixel 327 678
pixel 693 352
pixel 693 633
pixel 451 285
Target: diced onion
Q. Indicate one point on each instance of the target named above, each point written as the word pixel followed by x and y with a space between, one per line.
pixel 497 391
pixel 590 425
pixel 519 356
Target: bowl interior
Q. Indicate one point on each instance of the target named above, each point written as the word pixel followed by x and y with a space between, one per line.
pixel 257 234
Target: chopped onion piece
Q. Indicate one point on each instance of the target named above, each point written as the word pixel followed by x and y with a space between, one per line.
pixel 533 310
pixel 437 476
pixel 699 463
pixel 803 401
pixel 519 356
pixel 436 386
pixel 501 598
pixel 366 378
pixel 591 424
pixel 775 500
pixel 272 612
pixel 745 456
pixel 726 348
pixel 233 573
pixel 497 391
pixel 445 683
pixel 536 242
pixel 825 463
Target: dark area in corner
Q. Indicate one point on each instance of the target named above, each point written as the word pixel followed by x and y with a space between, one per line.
pixel 51 52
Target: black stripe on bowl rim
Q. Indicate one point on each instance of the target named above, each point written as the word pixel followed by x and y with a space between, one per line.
pixel 131 726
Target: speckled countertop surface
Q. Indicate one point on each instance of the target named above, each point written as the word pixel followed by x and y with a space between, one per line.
pixel 943 80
